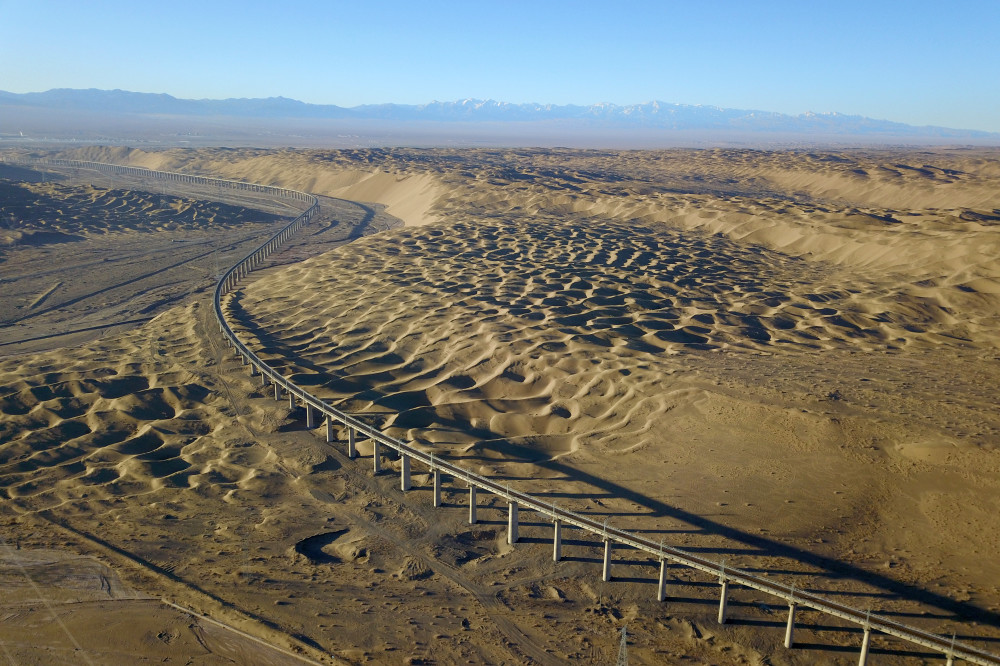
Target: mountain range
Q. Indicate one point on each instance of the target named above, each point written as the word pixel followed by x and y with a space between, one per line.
pixel 659 116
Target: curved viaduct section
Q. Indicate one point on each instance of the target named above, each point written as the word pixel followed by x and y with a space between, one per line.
pixel 612 537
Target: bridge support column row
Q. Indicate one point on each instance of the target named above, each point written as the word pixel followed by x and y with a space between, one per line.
pixel 472 504
pixel 404 472
pixel 790 627
pixel 437 487
pixel 556 540
pixel 511 523
pixel 606 573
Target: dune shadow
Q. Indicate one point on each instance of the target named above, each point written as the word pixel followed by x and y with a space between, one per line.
pixel 313 547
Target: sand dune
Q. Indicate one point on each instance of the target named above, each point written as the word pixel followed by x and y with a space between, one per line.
pixel 944 214
pixel 556 334
pixel 768 355
pixel 406 195
pixel 101 430
pixel 530 342
pixel 484 312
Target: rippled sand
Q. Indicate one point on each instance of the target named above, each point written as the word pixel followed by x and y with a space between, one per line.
pixel 787 358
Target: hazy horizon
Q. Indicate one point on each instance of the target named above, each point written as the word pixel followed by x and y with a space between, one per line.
pixel 853 58
pixel 480 100
pixel 94 116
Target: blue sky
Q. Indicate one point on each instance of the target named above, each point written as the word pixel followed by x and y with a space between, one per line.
pixel 924 63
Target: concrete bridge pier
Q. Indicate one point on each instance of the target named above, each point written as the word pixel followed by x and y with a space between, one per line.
pixel 253 370
pixel 404 472
pixel 264 381
pixel 277 391
pixel 352 448
pixel 310 417
pixel 437 487
pixel 329 429
pixel 511 522
pixel 376 461
pixel 606 573
pixel 723 600
pixel 790 627
pixel 291 400
pixel 244 359
pixel 661 589
pixel 472 504
pixel 951 659
pixel 556 540
pixel 865 644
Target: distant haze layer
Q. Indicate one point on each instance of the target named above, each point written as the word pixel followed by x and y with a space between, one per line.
pixel 129 117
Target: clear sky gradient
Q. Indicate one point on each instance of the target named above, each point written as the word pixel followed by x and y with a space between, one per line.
pixel 923 63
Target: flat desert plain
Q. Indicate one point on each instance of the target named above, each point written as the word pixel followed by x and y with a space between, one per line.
pixel 786 361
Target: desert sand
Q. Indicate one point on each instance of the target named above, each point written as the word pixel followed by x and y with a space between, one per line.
pixel 788 359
